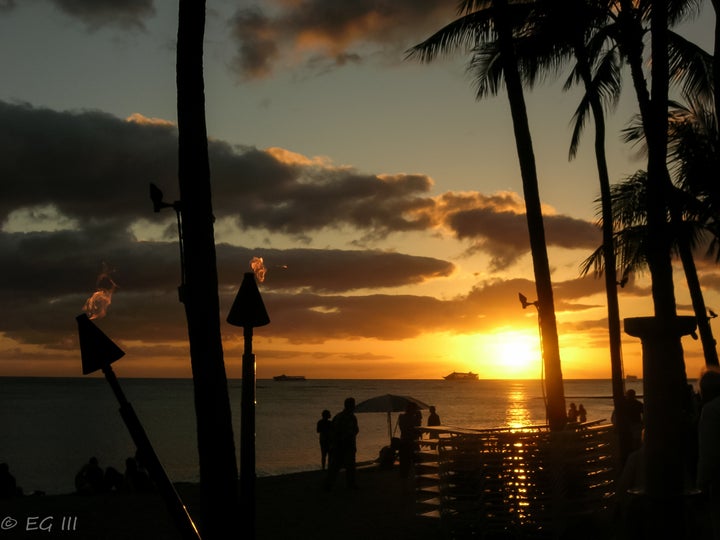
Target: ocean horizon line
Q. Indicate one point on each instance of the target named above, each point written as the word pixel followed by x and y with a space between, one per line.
pixel 307 379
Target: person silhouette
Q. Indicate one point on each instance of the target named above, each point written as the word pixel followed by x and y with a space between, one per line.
pixel 634 410
pixel 135 478
pixel 343 445
pixel 433 417
pixel 408 421
pixel 90 478
pixel 324 427
pixel 582 413
pixel 8 485
pixel 572 414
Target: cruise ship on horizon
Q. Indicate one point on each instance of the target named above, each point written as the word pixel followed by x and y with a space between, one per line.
pixel 461 376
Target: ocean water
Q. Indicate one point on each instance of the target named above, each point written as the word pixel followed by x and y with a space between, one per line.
pixel 52 426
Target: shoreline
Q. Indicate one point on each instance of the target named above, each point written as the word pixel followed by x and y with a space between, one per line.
pixel 288 506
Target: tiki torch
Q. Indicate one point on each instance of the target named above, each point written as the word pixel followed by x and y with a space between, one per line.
pixel 248 311
pixel 97 352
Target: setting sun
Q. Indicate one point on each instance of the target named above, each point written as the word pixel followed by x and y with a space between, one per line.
pixel 515 354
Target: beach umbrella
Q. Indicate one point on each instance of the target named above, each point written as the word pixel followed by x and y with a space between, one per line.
pixel 388 403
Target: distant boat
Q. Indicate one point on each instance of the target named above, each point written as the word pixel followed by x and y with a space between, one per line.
pixel 284 377
pixel 631 377
pixel 461 376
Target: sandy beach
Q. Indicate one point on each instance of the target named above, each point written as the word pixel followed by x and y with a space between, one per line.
pixel 293 506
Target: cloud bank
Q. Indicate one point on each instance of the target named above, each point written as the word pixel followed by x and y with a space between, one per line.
pixel 75 196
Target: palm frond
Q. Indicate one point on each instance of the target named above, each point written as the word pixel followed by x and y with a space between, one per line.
pixel 691 68
pixel 608 78
pixel 579 119
pixel 486 69
pixel 682 10
pixel 466 32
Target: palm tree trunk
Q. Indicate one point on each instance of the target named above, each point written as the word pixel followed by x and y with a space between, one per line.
pixel 546 306
pixel 716 61
pixel 611 281
pixel 696 296
pixel 611 284
pixel 654 121
pixel 664 383
pixel 216 449
pixel 660 197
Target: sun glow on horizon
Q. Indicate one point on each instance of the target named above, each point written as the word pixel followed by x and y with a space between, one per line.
pixel 514 354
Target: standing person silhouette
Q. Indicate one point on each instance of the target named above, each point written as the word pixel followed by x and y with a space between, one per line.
pixel 343 445
pixel 634 410
pixel 572 414
pixel 408 421
pixel 433 417
pixel 582 413
pixel 324 427
pixel 8 485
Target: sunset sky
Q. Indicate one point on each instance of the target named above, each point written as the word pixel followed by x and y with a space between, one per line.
pixel 385 200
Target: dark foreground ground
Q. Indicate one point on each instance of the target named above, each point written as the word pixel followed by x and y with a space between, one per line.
pixel 293 506
pixel 289 507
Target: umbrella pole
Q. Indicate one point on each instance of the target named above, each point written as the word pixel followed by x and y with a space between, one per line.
pixel 389 426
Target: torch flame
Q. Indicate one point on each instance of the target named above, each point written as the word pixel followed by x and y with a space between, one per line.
pixel 96 306
pixel 258 267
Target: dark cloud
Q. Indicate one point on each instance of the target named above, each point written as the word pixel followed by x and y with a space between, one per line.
pixel 331 270
pixel 75 183
pixel 96 169
pixel 93 167
pixel 327 32
pixel 97 13
pixel 257 43
pixel 498 226
pixel 48 277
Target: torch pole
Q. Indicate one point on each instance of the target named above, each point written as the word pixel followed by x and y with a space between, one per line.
pixel 247 434
pixel 149 458
pixel 248 311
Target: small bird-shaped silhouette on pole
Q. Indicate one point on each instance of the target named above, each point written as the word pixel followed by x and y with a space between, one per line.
pixel 524 301
pixel 712 313
pixel 156 196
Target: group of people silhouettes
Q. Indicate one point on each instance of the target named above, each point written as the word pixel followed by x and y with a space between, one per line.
pixel 338 443
pixel 338 440
pixel 702 452
pixel 92 479
pixel 576 413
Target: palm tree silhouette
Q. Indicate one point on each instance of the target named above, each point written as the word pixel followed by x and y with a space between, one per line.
pixel 216 448
pixel 544 46
pixel 692 156
pixel 496 20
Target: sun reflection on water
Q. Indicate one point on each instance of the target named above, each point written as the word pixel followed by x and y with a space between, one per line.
pixel 517 414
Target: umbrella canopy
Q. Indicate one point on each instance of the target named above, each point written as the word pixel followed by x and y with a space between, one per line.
pixel 388 403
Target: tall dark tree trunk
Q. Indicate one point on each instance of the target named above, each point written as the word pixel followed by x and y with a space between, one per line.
pixel 653 113
pixel 216 448
pixel 660 199
pixel 611 281
pixel 664 380
pixel 704 329
pixel 545 303
pixel 716 61
pixel 697 299
pixel 611 284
